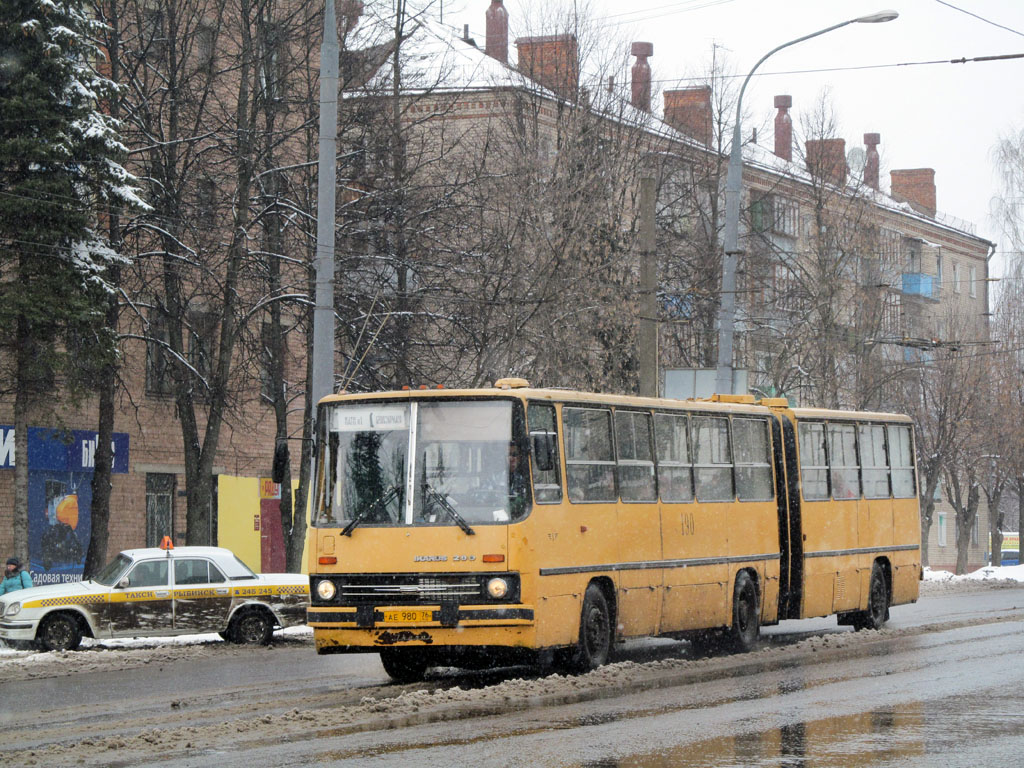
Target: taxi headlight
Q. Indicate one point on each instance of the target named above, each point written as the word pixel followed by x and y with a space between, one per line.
pixel 326 589
pixel 497 588
pixel 13 609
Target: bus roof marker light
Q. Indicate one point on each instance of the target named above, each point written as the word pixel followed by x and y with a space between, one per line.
pixel 511 383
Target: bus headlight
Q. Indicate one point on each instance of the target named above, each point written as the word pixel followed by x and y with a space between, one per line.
pixel 326 590
pixel 497 588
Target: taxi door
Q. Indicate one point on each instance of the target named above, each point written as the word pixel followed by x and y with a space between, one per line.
pixel 144 606
pixel 202 596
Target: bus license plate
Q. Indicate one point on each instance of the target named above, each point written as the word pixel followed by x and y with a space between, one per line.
pixel 409 616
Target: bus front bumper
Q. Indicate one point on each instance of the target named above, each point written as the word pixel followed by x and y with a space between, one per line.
pixel 340 630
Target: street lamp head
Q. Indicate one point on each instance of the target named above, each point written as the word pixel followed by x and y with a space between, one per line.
pixel 877 18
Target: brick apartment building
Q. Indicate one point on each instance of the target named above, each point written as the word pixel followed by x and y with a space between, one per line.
pixel 926 273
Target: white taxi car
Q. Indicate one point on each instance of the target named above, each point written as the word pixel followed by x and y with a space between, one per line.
pixel 156 592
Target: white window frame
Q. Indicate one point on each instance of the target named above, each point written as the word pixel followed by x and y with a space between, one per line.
pixel 941 532
pixel 972 276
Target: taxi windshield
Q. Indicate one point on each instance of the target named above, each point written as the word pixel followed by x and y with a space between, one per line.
pixel 460 458
pixel 111 571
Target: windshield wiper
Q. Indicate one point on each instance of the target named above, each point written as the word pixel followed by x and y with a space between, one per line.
pixel 363 513
pixel 449 509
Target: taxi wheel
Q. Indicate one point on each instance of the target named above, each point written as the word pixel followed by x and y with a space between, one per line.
pixel 252 627
pixel 403 665
pixel 59 632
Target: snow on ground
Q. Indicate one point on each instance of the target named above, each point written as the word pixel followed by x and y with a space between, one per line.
pixel 212 640
pixel 939 582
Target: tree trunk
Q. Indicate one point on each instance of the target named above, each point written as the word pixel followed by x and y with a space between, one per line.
pixel 20 524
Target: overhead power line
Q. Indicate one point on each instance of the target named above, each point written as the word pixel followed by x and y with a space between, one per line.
pixel 980 18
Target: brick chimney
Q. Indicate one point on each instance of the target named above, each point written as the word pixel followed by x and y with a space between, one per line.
pixel 552 61
pixel 642 76
pixel 783 128
pixel 871 141
pixel 496 45
pixel 826 159
pixel 350 12
pixel 688 110
pixel 917 187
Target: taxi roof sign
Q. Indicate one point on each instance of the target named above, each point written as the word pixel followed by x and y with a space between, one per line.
pixel 166 543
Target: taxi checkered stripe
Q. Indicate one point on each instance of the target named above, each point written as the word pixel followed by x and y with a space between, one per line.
pixel 76 600
pixel 297 589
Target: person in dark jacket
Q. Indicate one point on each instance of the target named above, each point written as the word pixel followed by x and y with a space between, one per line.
pixel 14 577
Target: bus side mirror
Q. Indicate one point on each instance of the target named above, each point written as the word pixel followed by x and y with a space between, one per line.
pixel 543 451
pixel 277 469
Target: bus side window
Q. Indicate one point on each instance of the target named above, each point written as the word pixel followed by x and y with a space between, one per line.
pixel 712 458
pixel 675 476
pixel 901 460
pixel 635 457
pixel 874 467
pixel 547 474
pixel 753 470
pixel 842 460
pixel 589 458
pixel 813 461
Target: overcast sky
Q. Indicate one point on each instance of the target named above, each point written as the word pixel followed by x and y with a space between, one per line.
pixel 942 116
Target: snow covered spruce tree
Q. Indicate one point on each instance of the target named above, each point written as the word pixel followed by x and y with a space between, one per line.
pixel 59 177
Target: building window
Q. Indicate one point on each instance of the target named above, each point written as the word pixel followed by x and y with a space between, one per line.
pixel 974 531
pixel 159 507
pixel 956 277
pixel 202 326
pixel 206 34
pixel 159 380
pixel 889 247
pixel 972 285
pixel 942 529
pixel 153 35
pixel 891 315
pixel 786 216
pixel 206 203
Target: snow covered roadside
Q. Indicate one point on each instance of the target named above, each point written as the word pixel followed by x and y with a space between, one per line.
pixel 125 653
pixel 944 582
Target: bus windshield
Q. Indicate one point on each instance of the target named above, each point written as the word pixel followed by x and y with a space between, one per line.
pixel 421 463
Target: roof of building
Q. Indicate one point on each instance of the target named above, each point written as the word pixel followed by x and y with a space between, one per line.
pixel 438 58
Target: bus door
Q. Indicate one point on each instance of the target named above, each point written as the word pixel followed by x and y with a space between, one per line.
pixel 787 496
pixel 638 526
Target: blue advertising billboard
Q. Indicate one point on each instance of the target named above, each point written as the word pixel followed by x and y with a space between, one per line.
pixel 60 467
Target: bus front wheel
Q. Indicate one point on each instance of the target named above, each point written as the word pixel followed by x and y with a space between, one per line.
pixel 595 641
pixel 403 665
pixel 746 621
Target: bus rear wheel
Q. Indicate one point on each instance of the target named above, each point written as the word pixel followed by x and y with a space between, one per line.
pixel 746 619
pixel 403 665
pixel 878 603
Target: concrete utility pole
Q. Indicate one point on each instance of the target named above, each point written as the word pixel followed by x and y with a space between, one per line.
pixel 733 194
pixel 648 327
pixel 323 311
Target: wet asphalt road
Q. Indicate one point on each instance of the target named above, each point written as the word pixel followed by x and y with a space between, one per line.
pixel 949 691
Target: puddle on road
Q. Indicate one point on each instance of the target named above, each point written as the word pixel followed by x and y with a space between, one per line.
pixel 919 734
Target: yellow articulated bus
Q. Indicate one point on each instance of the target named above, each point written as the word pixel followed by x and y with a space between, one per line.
pixel 478 527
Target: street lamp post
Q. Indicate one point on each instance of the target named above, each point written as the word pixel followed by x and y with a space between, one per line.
pixel 323 309
pixel 733 192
